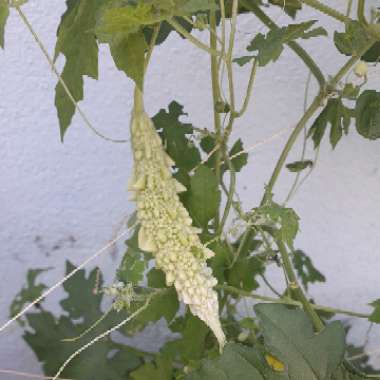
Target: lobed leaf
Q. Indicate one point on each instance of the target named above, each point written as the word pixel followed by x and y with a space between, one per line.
pixel 76 41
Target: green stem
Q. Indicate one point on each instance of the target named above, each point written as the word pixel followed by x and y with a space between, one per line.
pixel 215 98
pixel 231 192
pixel 288 301
pixel 296 289
pixel 181 30
pixel 249 90
pixel 349 8
pixel 289 145
pixel 305 57
pixel 361 9
pixel 316 4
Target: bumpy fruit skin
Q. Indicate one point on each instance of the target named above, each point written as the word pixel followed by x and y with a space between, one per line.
pixel 166 228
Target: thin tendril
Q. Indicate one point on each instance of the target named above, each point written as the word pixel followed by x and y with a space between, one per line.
pixel 61 81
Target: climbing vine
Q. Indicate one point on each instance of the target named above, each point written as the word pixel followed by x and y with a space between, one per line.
pixel 195 253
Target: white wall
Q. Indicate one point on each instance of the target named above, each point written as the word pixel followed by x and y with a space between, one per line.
pixel 78 189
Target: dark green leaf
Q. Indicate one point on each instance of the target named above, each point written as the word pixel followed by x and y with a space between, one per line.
pixel 160 369
pixel 76 41
pixel 298 166
pixel 241 61
pixel 368 114
pixel 270 46
pixel 174 134
pixel 353 40
pixel 204 196
pixel 289 6
pixel 4 13
pixel 338 116
pixel 375 316
pixel 243 274
pixel 240 159
pixel 237 363
pixel 289 336
pixel 306 270
pixel 106 360
pixel 191 345
pixel 28 293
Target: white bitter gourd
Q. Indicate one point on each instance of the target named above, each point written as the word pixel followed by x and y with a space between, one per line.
pixel 165 226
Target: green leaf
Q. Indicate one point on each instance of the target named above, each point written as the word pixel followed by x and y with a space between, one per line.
pixel 175 138
pixel 105 360
pixel 338 116
pixel 128 53
pixel 84 305
pixel 115 17
pixel 289 336
pixel 164 305
pixel 350 91
pixel 289 6
pixel 160 369
pixel 270 46
pixel 240 160
pixel 204 196
pixel 298 166
pixel 306 270
pixel 28 293
pixel 4 13
pixel 284 220
pixel 191 345
pixel 375 316
pixel 236 363
pixel 241 61
pixel 76 41
pixel 133 265
pixel 368 114
pixel 353 40
pixel 242 274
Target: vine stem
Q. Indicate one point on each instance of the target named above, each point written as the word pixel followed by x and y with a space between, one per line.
pixel 319 6
pixel 290 302
pixel 361 9
pixel 61 81
pixel 215 98
pixel 181 30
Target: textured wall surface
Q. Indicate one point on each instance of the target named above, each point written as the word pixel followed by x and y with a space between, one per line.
pixel 64 201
